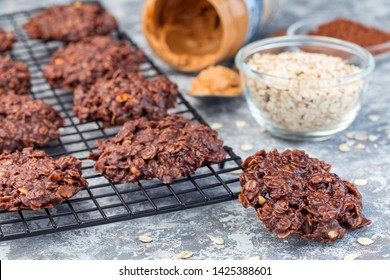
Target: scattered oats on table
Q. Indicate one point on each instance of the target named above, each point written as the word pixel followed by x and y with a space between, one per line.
pixel 145 239
pixel 217 240
pixel 350 135
pixel 216 126
pixel 374 117
pixel 360 146
pixel 361 182
pixel 185 255
pixel 344 147
pixel 254 258
pixel 240 124
pixel 246 147
pixel 351 257
pixel 361 137
pixel 350 142
pixel 365 241
pixel 373 138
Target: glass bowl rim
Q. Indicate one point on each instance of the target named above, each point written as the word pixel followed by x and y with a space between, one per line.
pixel 286 41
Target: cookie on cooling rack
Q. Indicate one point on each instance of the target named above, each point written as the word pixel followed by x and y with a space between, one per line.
pixel 14 77
pixel 124 97
pixel 32 180
pixel 167 149
pixel 83 62
pixel 70 23
pixel 7 40
pixel 25 122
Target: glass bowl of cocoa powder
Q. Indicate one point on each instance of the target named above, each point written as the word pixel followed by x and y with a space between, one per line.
pixel 367 34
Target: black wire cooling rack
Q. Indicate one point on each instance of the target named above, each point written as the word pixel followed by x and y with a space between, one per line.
pixel 104 201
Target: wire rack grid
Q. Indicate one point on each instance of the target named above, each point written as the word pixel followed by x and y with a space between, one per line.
pixel 104 201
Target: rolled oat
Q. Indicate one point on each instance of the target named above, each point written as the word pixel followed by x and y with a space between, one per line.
pixel 308 95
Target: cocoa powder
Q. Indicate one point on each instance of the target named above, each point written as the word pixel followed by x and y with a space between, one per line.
pixel 352 31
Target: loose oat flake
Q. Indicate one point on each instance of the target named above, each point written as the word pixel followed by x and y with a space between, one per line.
pixel 360 182
pixel 246 147
pixel 217 240
pixel 360 146
pixel 373 117
pixel 350 135
pixel 373 138
pixel 239 171
pixel 361 137
pixel 216 126
pixel 144 238
pixel 351 257
pixel 344 147
pixel 240 124
pixel 254 258
pixel 365 241
pixel 185 255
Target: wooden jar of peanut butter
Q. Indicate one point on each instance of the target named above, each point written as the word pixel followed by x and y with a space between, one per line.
pixel 192 34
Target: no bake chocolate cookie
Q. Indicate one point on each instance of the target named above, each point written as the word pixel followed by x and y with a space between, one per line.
pixel 296 194
pixel 25 122
pixel 166 149
pixel 14 77
pixel 124 97
pixel 83 62
pixel 7 40
pixel 70 23
pixel 31 180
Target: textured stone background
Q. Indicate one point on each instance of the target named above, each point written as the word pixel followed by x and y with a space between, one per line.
pixel 244 235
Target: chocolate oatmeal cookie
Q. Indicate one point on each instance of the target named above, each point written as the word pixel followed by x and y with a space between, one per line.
pixel 31 180
pixel 166 149
pixel 7 40
pixel 14 77
pixel 296 194
pixel 83 62
pixel 25 122
pixel 70 23
pixel 124 97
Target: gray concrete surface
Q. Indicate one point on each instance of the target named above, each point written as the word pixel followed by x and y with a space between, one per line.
pixel 244 235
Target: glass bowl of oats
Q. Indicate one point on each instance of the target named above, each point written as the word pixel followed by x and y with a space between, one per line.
pixel 304 87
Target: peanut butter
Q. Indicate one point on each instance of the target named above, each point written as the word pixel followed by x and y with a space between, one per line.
pixel 192 34
pixel 216 81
